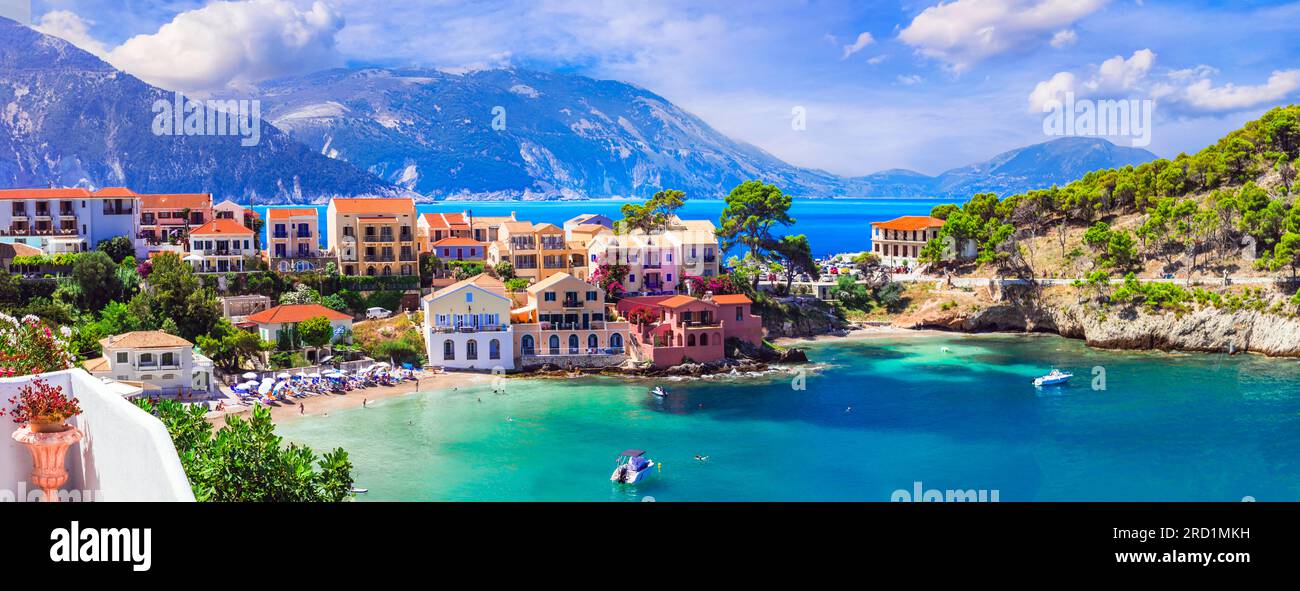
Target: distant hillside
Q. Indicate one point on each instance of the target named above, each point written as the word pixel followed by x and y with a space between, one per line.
pixel 69 119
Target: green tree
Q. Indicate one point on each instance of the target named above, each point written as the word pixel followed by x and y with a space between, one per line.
pixel 315 332
pixel 175 292
pixel 753 208
pixel 654 214
pixel 230 348
pixel 301 294
pixel 245 461
pixel 117 248
pixel 505 270
pixel 96 275
pixel 796 257
pixel 942 211
pixel 1287 253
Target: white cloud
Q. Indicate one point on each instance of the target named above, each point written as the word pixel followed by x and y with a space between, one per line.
pixel 910 79
pixel 71 28
pixel 1064 38
pixel 1204 96
pixel 232 46
pixel 876 60
pixel 864 39
pixel 1190 91
pixel 964 32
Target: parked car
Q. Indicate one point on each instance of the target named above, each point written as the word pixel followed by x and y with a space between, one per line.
pixel 374 313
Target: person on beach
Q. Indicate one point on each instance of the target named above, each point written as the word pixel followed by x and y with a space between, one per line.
pixel 302 410
pixel 364 402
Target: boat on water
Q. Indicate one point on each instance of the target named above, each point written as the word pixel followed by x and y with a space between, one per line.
pixel 659 391
pixel 632 467
pixel 1055 378
pixel 358 491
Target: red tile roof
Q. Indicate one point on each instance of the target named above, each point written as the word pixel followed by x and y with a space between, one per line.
pixel 222 226
pixel 277 213
pixel 176 201
pixel 445 220
pixel 735 298
pixel 910 222
pixel 43 193
pixel 363 205
pixel 677 301
pixel 295 313
pixel 115 192
pixel 143 339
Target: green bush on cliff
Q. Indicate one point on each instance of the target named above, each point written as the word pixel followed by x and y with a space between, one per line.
pixel 1154 295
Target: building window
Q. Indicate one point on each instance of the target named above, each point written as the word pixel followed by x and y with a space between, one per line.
pixel 469 296
pixel 631 278
pixel 549 296
pixel 616 341
pixel 573 344
pixel 448 350
pixel 526 344
pixel 471 350
pixel 169 359
pixel 555 344
pixel 123 357
pixel 690 340
pixel 494 349
pixel 704 340
pixel 591 296
pixel 593 342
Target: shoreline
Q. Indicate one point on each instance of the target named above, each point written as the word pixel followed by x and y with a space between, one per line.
pixel 858 334
pixel 323 404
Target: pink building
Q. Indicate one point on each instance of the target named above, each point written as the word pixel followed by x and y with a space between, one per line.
pixel 673 329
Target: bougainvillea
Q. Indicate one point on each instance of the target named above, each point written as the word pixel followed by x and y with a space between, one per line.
pixel 720 285
pixel 41 401
pixel 28 346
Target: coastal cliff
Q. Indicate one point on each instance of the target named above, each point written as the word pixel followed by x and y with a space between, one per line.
pixel 1203 328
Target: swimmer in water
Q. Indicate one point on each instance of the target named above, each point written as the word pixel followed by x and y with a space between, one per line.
pixel 510 419
pixel 701 458
pixel 848 409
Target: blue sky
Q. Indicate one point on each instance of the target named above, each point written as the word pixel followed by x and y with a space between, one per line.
pixel 912 84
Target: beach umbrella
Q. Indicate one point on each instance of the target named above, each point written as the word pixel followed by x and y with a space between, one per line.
pixel 249 376
pixel 282 375
pixel 265 388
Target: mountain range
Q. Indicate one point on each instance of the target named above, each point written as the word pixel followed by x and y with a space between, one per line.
pixel 69 119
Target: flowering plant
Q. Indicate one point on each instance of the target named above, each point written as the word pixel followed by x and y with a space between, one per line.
pixel 29 347
pixel 41 401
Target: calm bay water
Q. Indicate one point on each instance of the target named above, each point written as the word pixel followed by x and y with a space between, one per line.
pixel 832 225
pixel 879 416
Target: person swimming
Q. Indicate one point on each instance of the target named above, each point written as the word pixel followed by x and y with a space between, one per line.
pixel 701 458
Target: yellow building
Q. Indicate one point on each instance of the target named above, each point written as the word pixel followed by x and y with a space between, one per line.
pixel 373 237
pixel 567 322
pixel 537 251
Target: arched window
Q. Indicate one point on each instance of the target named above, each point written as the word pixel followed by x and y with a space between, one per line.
pixel 471 349
pixel 146 359
pixel 593 342
pixel 448 350
pixel 616 341
pixel 370 271
pixel 555 344
pixel 690 340
pixel 388 271
pixel 168 359
pixel 573 344
pixel 704 339
pixel 494 349
pixel 526 344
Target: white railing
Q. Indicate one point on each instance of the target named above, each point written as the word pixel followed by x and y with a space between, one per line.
pixel 125 455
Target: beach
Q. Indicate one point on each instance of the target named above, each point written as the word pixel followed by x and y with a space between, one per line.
pixel 867 332
pixel 324 404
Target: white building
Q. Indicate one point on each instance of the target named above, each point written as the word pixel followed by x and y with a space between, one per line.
pixel 162 362
pixel 467 325
pixel 286 317
pixel 221 246
pixel 229 210
pixel 68 220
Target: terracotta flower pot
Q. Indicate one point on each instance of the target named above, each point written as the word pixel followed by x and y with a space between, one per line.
pixel 47 425
pixel 48 451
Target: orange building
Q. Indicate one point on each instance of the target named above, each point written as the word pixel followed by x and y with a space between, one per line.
pixel 373 237
pixel 165 217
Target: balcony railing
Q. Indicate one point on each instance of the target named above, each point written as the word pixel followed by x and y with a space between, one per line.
pixel 566 351
pixel 38 232
pixel 372 258
pixel 445 329
pixel 110 209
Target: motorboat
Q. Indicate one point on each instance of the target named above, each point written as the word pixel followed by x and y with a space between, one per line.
pixel 632 467
pixel 659 391
pixel 1056 378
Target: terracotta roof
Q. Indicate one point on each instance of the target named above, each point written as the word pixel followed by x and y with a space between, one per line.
pixel 482 280
pixel 356 205
pixel 592 228
pixel 910 222
pixel 221 226
pixel 735 298
pixel 43 193
pixel 445 220
pixel 9 250
pixel 176 201
pixel 551 228
pixel 457 241
pixel 115 192
pixel 99 364
pixel 295 313
pixel 678 301
pixel 551 281
pixel 144 339
pixel 286 213
pixel 518 227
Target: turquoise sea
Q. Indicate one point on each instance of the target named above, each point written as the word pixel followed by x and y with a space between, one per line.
pixel 832 225
pixel 879 416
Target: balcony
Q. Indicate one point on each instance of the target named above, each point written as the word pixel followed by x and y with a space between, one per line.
pixel 223 252
pixel 131 458
pixel 571 303
pixel 710 258
pixel 447 329
pixel 279 234
pixel 553 245
pixel 379 258
pixel 110 209
pixel 38 232
pixel 373 238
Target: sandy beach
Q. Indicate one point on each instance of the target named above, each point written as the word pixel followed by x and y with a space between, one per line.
pixel 326 403
pixel 868 332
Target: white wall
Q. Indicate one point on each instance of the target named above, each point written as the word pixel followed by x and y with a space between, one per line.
pixel 125 455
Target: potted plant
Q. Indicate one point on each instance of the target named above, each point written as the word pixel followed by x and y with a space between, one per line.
pixel 43 407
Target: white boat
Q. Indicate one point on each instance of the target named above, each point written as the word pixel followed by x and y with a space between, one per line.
pixel 1057 377
pixel 633 467
pixel 659 391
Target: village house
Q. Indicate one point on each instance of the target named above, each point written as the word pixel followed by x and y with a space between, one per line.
pixel 373 237
pixel 221 246
pixel 280 324
pixel 68 220
pixel 156 361
pixel 658 262
pixel 293 240
pixel 587 219
pixel 898 242
pixel 567 323
pixel 671 330
pixel 467 325
pixel 537 251
pixel 165 218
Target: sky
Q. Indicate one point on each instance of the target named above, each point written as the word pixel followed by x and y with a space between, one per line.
pixel 917 84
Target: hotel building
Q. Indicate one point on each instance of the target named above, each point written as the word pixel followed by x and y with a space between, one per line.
pixel 658 262
pixel 467 325
pixel 293 240
pixel 432 227
pixel 537 251
pixel 567 322
pixel 898 242
pixel 67 220
pixel 373 237
pixel 160 362
pixel 165 217
pixel 670 330
pixel 221 246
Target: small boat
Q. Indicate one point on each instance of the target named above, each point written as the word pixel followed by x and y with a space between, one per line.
pixel 1055 378
pixel 358 491
pixel 632 467
pixel 659 391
